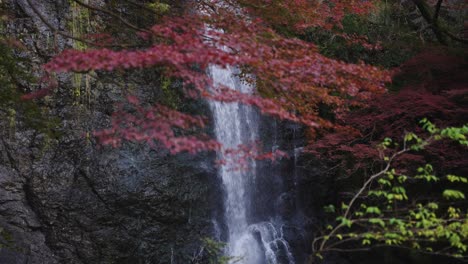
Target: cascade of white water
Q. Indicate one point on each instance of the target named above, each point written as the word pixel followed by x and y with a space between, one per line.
pixel 231 131
pixel 234 125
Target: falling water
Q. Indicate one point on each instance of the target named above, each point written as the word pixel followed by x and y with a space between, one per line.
pixel 236 124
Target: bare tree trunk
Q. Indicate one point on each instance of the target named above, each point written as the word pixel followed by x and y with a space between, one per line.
pixel 428 15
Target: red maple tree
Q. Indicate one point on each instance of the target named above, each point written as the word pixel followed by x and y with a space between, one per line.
pixel 435 88
pixel 292 78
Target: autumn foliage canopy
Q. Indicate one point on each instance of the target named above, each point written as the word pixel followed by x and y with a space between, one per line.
pixel 292 78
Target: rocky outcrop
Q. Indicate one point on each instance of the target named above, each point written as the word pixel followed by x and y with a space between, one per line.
pixel 67 200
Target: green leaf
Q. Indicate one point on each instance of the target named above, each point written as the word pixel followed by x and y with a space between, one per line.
pixel 402 178
pixel 377 193
pixel 454 178
pixel 409 137
pixel 384 182
pixel 329 208
pixel 386 142
pixel 344 221
pixel 373 210
pixel 399 189
pixel 428 126
pixel 358 214
pixel 160 8
pixel 377 221
pixel 453 195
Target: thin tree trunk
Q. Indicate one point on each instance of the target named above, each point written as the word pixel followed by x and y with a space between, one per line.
pixel 431 19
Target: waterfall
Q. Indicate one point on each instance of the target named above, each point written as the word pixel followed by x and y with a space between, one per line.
pixel 236 124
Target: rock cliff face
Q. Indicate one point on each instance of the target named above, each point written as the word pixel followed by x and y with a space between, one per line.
pixel 292 189
pixel 67 200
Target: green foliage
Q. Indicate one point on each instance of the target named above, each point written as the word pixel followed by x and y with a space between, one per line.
pixel 80 25
pixel 453 178
pixel 158 7
pixel 214 251
pixel 453 194
pixel 387 26
pixel 171 97
pixel 6 239
pixel 391 213
pixel 14 73
pixel 329 208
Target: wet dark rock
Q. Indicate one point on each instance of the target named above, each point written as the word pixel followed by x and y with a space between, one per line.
pixel 68 200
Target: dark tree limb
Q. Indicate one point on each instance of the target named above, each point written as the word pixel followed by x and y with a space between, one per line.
pixel 452 36
pixel 437 10
pixel 427 15
pixel 440 33
pixel 112 14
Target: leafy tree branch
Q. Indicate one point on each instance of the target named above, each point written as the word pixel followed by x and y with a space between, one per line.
pixel 389 213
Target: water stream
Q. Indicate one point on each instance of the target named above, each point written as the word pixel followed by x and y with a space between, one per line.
pixel 236 124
